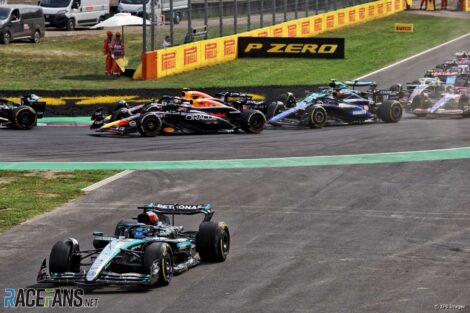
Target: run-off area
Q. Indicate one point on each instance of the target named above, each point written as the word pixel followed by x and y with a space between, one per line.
pixel 363 238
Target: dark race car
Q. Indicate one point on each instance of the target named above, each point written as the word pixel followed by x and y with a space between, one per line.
pixel 339 103
pixel 23 115
pixel 177 115
pixel 144 251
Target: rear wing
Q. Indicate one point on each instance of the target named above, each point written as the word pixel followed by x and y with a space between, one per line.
pixel 359 83
pixel 179 209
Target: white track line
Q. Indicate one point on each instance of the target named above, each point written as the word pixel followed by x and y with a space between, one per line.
pixel 412 57
pixel 106 181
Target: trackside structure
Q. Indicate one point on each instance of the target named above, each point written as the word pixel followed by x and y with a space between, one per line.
pixel 192 56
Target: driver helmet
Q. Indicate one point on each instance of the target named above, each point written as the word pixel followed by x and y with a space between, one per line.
pixel 150 218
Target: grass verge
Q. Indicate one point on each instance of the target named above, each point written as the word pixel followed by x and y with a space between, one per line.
pixel 64 63
pixel 27 194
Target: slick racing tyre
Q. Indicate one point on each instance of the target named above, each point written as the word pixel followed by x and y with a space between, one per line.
pixel 213 241
pixel 390 111
pixel 316 116
pixel 24 117
pixel 418 102
pixel 252 121
pixel 159 255
pixel 274 109
pixel 62 258
pixel 149 124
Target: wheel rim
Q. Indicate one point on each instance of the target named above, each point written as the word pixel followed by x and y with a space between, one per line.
pixel 225 244
pixel 167 268
pixel 396 112
pixel 25 119
pixel 151 126
pixel 6 38
pixel 256 121
pixel 318 117
pixel 36 37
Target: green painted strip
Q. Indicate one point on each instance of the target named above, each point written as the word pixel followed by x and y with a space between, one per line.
pixel 376 158
pixel 65 120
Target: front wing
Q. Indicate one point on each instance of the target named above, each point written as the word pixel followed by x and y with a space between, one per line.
pixel 105 278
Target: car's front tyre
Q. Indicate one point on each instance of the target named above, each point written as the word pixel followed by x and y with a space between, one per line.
pixel 158 255
pixel 62 257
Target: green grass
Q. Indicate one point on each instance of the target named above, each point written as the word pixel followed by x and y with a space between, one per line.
pixel 27 194
pixel 76 63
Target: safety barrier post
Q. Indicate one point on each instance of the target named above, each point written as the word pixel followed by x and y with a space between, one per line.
pixel 149 65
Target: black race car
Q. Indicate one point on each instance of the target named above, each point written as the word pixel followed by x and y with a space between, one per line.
pixel 144 251
pixel 178 115
pixel 22 115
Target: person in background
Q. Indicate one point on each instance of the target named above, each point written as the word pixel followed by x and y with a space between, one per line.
pixel 107 52
pixel 117 52
pixel 443 4
pixel 166 42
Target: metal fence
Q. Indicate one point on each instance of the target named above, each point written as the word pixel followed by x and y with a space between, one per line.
pixel 204 19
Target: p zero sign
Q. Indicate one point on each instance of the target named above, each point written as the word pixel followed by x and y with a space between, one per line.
pixel 287 47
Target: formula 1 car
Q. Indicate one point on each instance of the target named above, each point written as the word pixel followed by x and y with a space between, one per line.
pixel 339 103
pixel 418 90
pixel 22 115
pixel 146 251
pixel 175 115
pixel 451 103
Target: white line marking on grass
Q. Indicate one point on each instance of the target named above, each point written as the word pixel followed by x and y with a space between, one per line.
pixel 106 181
pixel 412 57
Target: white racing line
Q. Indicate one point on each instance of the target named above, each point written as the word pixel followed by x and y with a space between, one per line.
pixel 412 57
pixel 106 181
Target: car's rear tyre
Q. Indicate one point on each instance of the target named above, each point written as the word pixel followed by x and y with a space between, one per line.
pixel 274 109
pixel 149 125
pixel 24 117
pixel 390 111
pixel 316 116
pixel 62 258
pixel 6 38
pixel 213 241
pixel 36 37
pixel 252 121
pixel 99 243
pixel 417 102
pixel 122 226
pixel 159 254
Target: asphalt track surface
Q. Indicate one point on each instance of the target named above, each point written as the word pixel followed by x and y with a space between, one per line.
pixel 352 238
